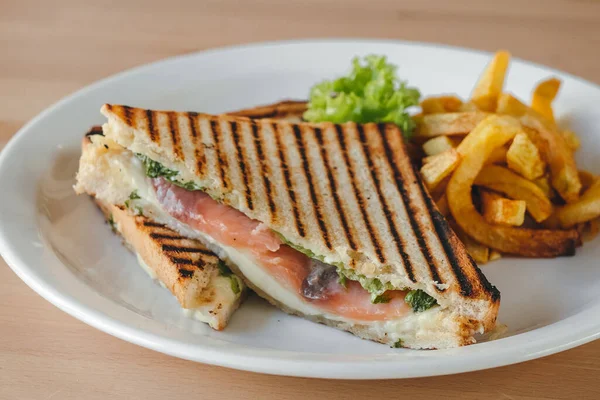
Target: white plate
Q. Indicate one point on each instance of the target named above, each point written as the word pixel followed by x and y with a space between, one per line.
pixel 58 244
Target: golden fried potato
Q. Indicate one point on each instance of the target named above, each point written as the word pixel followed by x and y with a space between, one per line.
pixel 591 230
pixel 495 131
pixel 495 255
pixel 563 170
pixel 499 210
pixel 587 179
pixel 543 96
pixel 503 180
pixel 498 156
pixel 551 144
pixel 571 139
pixel 441 104
pixel 468 106
pixel 436 168
pixel 490 84
pixel 543 182
pixel 448 124
pixel 437 145
pixel 442 205
pixel 583 210
pixel 524 158
pixel 476 250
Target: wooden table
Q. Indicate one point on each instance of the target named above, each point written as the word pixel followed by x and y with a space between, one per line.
pixel 46 52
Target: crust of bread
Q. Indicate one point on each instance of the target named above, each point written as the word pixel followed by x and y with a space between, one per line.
pixel 289 110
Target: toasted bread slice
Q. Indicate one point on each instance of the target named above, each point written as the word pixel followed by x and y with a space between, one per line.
pixel 289 110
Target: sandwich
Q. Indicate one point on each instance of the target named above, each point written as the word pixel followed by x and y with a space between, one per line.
pixel 329 222
pixel 203 285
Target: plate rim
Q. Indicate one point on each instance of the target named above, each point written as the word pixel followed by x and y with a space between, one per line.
pixel 267 362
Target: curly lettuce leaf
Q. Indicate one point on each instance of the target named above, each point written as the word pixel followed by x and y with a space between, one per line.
pixel 371 92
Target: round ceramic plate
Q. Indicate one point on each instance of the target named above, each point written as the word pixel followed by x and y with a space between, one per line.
pixel 59 244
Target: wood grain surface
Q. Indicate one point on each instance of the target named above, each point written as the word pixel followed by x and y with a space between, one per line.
pixel 51 48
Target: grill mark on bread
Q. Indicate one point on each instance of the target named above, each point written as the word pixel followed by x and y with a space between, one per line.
pixel 357 193
pixel 127 116
pixel 154 136
pixel 240 156
pixel 215 129
pixel 156 235
pixel 311 186
pixel 445 235
pixel 184 249
pixel 400 245
pixel 485 284
pixel 263 169
pixel 288 183
pixel 410 207
pixel 185 273
pixel 95 130
pixel 199 156
pixel 175 135
pixel 149 223
pixel 333 187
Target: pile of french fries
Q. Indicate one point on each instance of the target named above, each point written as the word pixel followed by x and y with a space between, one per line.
pixel 503 172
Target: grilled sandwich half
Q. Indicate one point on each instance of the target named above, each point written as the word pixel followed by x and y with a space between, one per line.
pixel 326 221
pixel 204 286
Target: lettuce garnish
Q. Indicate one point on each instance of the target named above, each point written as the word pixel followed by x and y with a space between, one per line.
pixel 370 93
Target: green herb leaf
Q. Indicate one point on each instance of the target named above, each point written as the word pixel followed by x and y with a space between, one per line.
pixel 371 92
pixel 397 344
pixel 235 284
pixel 371 285
pixel 224 269
pixel 419 300
pixel 383 298
pixel 342 280
pixel 111 222
pixel 134 195
pixel 154 169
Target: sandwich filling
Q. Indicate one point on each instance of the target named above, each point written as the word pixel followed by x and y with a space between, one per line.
pixel 312 280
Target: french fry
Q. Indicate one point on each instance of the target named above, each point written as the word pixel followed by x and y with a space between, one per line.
pixel 468 106
pixel 448 124
pixel 524 158
pixel 495 255
pixel 495 131
pixel 490 84
pixel 441 104
pixel 571 139
pixel 476 250
pixel 543 96
pixel 583 210
pixel 498 156
pixel 587 179
pixel 591 230
pixel 551 144
pixel 442 205
pixel 510 105
pixel 437 145
pixel 543 182
pixel 503 180
pixel 436 168
pixel 498 210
